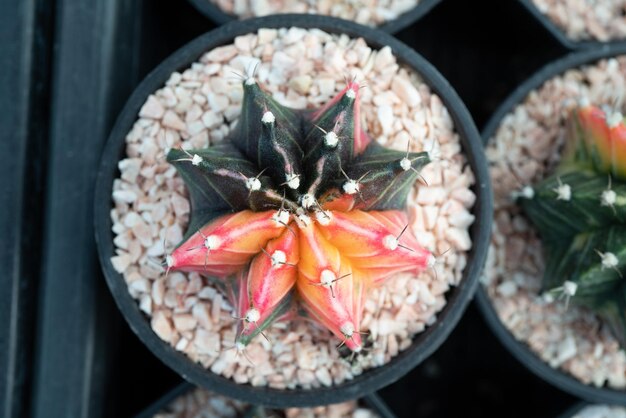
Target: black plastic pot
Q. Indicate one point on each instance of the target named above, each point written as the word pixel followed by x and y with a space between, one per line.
pixel 572 411
pixel 519 349
pixel 371 401
pixel 559 34
pixel 217 15
pixel 423 345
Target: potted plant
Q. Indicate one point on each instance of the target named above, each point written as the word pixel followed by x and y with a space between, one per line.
pixel 221 333
pixel 391 18
pixel 554 305
pixel 580 25
pixel 187 400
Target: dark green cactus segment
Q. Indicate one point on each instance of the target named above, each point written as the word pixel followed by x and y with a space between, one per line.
pixel 612 309
pixel 336 120
pixel 268 133
pixel 592 260
pixel 221 179
pixel 590 205
pixel 283 308
pixel 385 176
pixel 329 141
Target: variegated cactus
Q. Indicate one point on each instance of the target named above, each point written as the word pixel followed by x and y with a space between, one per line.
pixel 580 212
pixel 298 209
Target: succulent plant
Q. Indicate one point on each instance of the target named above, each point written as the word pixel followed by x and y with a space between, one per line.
pixel 580 213
pixel 298 212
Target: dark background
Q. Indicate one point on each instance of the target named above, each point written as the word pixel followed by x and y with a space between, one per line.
pixel 67 68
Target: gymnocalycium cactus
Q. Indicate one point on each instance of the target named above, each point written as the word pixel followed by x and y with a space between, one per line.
pixel 580 212
pixel 298 209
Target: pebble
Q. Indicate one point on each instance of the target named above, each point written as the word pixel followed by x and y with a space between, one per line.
pixel 152 109
pixel 162 326
pixel 172 120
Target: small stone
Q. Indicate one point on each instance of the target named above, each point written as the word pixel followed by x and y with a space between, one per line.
pixel 171 120
pixel 125 196
pixel 301 84
pixel 121 262
pixel 152 109
pixel 162 326
pixel 184 322
pixel 405 90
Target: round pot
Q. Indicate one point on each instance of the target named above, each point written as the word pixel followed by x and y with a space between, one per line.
pixel 218 16
pixel 575 409
pixel 423 344
pixel 558 33
pixel 519 349
pixel 371 401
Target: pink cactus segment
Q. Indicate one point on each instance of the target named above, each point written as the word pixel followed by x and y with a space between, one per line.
pixel 618 149
pixel 226 245
pixel 326 286
pixel 376 242
pixel 273 274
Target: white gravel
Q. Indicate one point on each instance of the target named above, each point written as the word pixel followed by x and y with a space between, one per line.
pixel 600 20
pixel 200 403
pixel 365 12
pixel 601 411
pixel 523 151
pixel 302 68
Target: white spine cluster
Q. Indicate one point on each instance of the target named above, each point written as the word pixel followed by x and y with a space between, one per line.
pixel 351 187
pixel 212 242
pixel 253 184
pixel 268 117
pixel 196 160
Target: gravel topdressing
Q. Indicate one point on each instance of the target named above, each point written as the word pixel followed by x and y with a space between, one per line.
pixel 581 20
pixel 200 403
pixel 302 68
pixel 524 150
pixel 365 12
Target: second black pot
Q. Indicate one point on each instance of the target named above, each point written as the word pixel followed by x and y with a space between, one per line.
pixel 217 15
pixel 519 349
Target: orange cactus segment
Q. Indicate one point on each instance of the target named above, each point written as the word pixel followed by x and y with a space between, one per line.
pixel 618 146
pixel 326 286
pixel 376 242
pixel 226 244
pixel 596 132
pixel 335 200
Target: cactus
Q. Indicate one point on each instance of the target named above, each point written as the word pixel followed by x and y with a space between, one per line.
pixel 580 213
pixel 298 213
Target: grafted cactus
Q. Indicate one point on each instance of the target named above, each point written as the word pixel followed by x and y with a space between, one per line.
pixel 580 212
pixel 298 209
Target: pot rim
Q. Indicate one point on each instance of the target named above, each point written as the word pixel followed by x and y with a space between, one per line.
pixel 220 17
pixel 560 35
pixel 519 349
pixel 424 344
pixel 373 401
